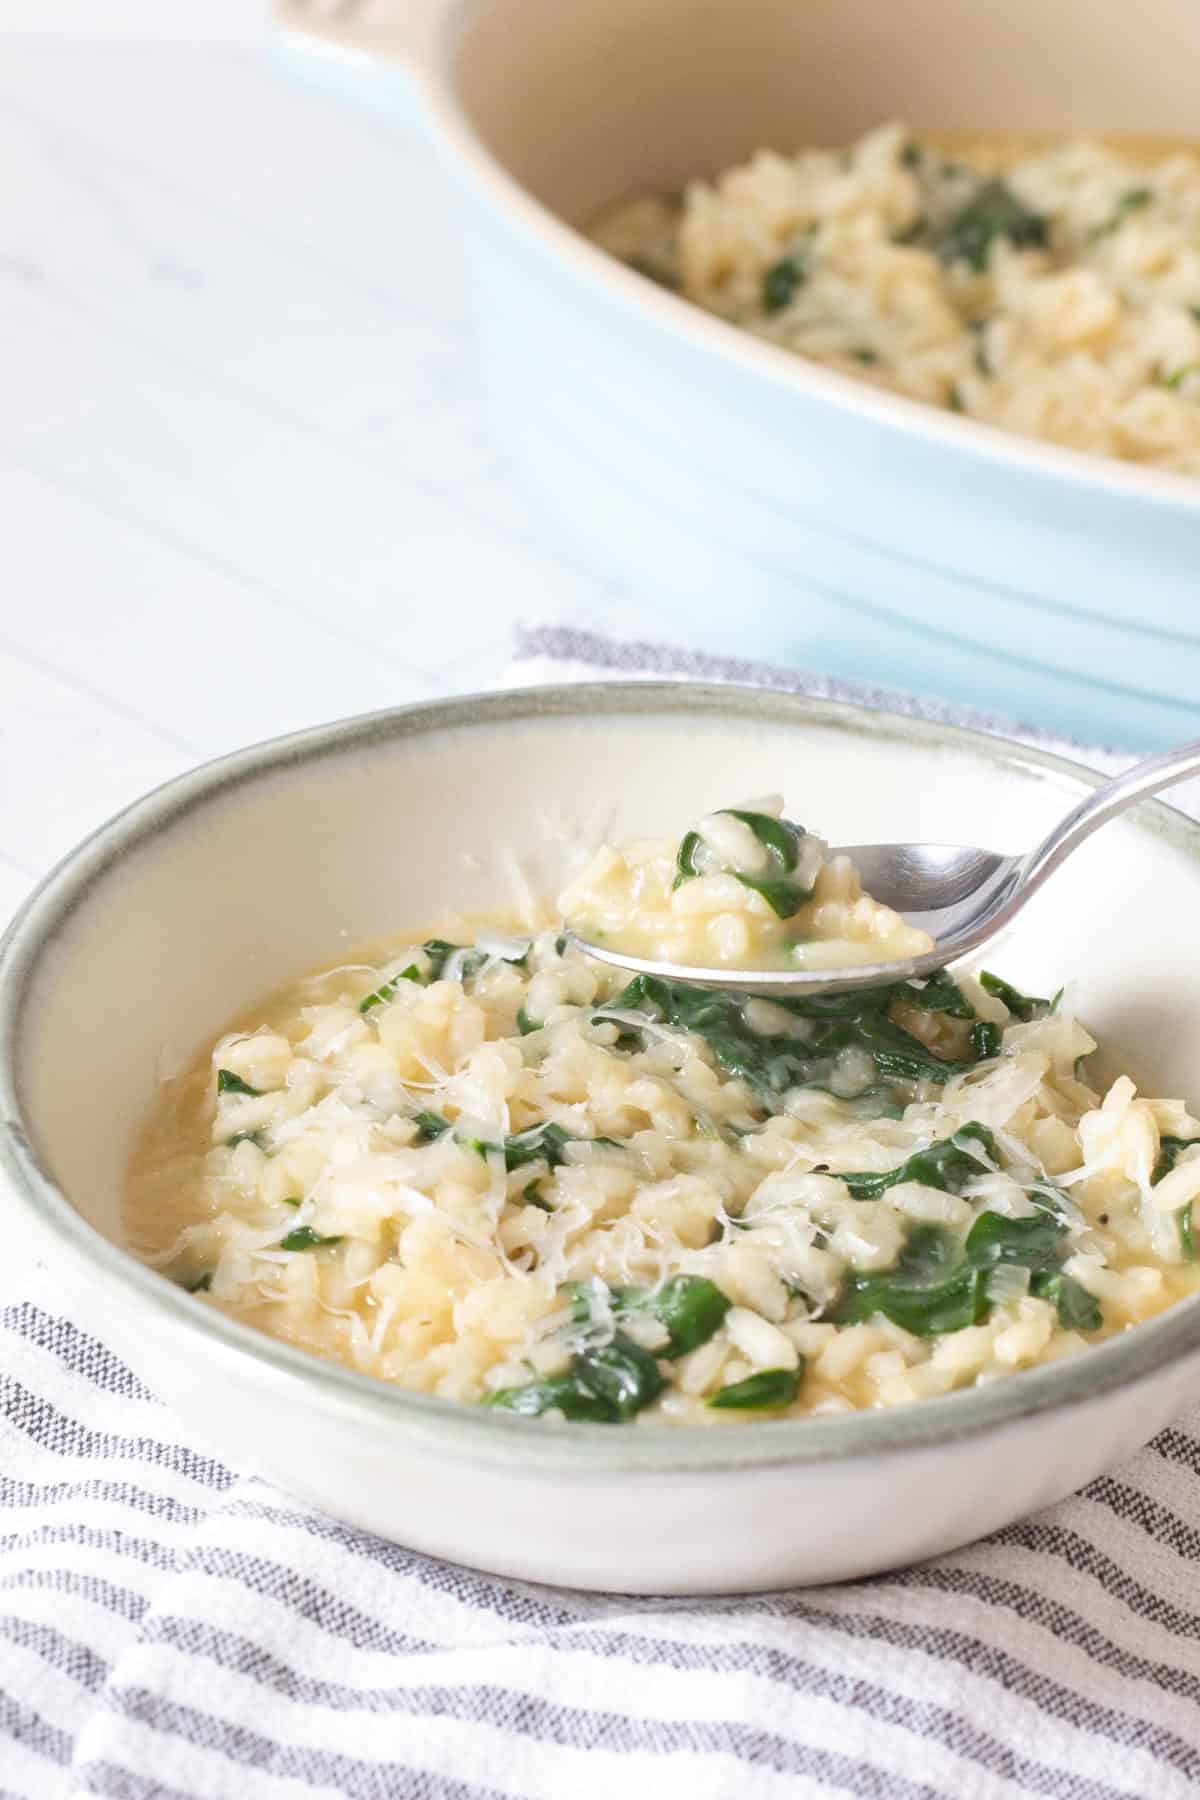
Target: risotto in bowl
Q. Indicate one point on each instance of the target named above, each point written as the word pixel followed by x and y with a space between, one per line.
pixel 496 1172
pixel 1050 289
pixel 914 405
pixel 405 1201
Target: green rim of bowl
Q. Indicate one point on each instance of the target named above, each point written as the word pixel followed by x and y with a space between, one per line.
pixel 469 1433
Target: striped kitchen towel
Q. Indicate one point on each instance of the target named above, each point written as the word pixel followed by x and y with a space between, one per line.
pixel 174 1628
pixel 171 1627
pixel 562 652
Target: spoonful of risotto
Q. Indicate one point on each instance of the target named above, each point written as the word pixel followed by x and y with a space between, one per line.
pixel 750 901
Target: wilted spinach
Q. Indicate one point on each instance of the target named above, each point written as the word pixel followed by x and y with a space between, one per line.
pixel 947 1165
pixel 993 212
pixel 939 1282
pixel 1022 1006
pixel 229 1083
pixel 833 1022
pixel 305 1238
pixel 605 1385
pixel 781 840
pixel 782 281
pixel 768 1388
pixel 1169 1150
pixel 690 1307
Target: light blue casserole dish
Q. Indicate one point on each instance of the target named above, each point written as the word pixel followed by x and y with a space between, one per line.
pixel 762 504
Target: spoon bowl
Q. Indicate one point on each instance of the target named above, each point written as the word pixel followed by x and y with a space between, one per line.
pixel 960 894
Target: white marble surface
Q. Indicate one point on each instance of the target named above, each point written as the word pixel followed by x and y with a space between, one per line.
pixel 246 483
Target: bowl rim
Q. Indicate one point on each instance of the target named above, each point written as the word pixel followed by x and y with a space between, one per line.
pixel 475 1433
pixel 716 338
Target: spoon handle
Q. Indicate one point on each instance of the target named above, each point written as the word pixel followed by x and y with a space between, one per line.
pixel 1111 798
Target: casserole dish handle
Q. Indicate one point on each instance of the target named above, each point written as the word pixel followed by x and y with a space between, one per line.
pixel 376 54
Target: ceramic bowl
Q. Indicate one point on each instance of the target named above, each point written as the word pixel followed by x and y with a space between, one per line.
pixel 139 948
pixel 772 508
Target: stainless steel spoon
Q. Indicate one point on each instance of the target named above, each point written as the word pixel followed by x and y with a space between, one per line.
pixel 960 896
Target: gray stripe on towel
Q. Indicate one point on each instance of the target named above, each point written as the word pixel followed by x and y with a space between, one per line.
pixel 572 644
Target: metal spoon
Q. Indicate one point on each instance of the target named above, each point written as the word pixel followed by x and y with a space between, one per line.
pixel 959 895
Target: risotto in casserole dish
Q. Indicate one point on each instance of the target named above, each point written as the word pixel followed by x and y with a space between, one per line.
pixel 1053 292
pixel 484 1169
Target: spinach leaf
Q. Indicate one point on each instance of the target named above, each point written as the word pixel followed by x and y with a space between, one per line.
pixel 388 990
pixel 938 993
pixel 1032 1241
pixel 438 950
pixel 848 1007
pixel 985 1039
pixel 229 1083
pixel 430 1125
pixel 773 1065
pixel 992 213
pixel 685 858
pixel 785 898
pixel 1130 201
pixel 782 281
pixel 939 1283
pixel 777 836
pixel 512 950
pixel 1169 1149
pixel 690 1307
pixel 539 1143
pixel 932 1289
pixel 578 1296
pixel 305 1238
pixel 898 1056
pixel 623 1373
pixel 768 1388
pixel 1022 1006
pixel 532 1196
pixel 769 1065
pixel 560 1393
pixel 246 1137
pixel 200 1285
pixel 606 1385
pixel 947 1164
pixel 1077 1309
pixel 526 1025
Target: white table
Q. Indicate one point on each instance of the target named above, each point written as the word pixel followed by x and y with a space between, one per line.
pixel 245 479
